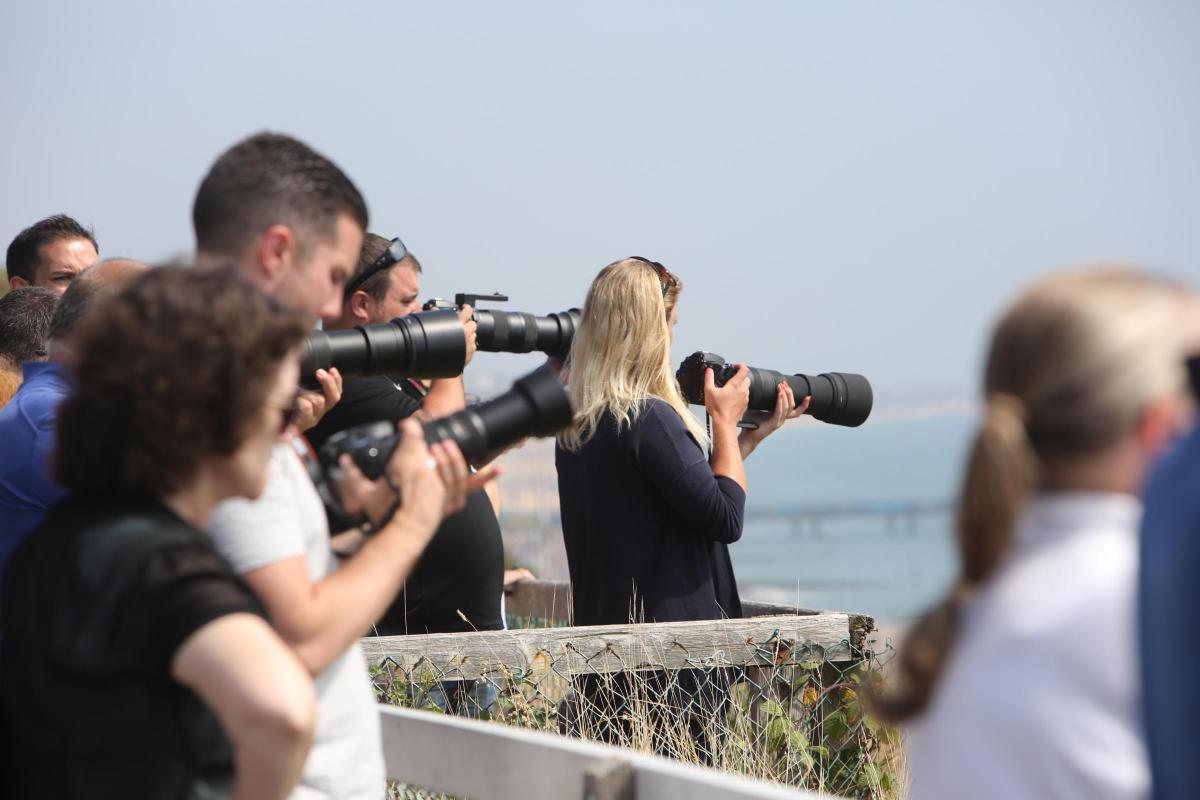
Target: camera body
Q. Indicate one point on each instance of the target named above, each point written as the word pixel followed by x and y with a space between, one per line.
pixel 838 398
pixel 691 374
pixel 462 299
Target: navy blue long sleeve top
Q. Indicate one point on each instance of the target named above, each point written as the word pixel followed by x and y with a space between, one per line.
pixel 1169 595
pixel 647 524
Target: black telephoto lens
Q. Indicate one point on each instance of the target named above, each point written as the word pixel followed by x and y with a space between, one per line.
pixel 838 398
pixel 536 405
pixel 430 344
pixel 518 332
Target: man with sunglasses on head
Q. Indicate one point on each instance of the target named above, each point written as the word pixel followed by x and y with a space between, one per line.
pixel 458 583
pixel 293 222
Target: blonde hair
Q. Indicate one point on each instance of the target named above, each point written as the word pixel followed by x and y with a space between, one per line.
pixel 1072 366
pixel 10 381
pixel 621 353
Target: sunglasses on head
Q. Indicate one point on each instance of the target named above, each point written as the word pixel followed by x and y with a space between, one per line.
pixel 393 255
pixel 665 279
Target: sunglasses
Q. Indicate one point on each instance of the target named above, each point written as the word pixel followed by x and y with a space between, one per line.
pixel 393 255
pixel 665 279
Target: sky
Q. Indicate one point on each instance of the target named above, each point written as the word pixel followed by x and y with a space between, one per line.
pixel 847 186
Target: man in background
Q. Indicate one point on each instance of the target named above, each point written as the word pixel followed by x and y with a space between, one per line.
pixel 293 222
pixel 1169 593
pixel 27 488
pixel 458 582
pixel 50 253
pixel 24 326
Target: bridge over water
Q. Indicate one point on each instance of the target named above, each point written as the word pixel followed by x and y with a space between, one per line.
pixel 896 516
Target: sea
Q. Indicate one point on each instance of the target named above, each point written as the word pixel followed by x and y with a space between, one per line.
pixel 884 544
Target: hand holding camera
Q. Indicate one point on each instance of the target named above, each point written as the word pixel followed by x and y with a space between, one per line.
pixel 470 327
pixel 311 405
pixel 727 402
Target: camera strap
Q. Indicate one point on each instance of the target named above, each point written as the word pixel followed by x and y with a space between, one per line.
pixel 708 430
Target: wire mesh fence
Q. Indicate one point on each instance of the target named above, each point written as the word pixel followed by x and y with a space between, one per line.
pixel 772 697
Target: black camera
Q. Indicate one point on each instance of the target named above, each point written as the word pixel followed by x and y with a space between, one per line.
pixel 515 331
pixel 839 398
pixel 536 405
pixel 426 345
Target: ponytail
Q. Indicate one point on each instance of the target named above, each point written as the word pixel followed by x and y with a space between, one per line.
pixel 1000 474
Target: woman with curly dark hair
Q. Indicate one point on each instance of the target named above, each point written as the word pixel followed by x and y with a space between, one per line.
pixel 135 661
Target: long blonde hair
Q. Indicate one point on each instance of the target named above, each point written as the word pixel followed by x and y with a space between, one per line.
pixel 1072 366
pixel 621 353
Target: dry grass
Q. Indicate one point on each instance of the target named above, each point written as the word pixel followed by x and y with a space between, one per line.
pixel 798 723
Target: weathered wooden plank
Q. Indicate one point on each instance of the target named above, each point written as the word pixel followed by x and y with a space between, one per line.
pixel 621 648
pixel 485 761
pixel 537 599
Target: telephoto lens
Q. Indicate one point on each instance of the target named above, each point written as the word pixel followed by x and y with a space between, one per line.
pixel 518 332
pixel 536 405
pixel 839 398
pixel 431 344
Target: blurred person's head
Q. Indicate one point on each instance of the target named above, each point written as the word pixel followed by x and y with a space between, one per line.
pixel 90 289
pixel 50 253
pixel 287 216
pixel 25 324
pixel 388 292
pixel 1083 388
pixel 24 329
pixel 185 381
pixel 621 352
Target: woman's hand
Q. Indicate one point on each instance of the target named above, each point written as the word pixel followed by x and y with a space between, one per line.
pixel 727 404
pixel 771 421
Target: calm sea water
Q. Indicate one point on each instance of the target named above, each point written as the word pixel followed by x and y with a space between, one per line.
pixel 886 565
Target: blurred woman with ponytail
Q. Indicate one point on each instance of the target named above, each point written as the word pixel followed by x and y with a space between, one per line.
pixel 1023 683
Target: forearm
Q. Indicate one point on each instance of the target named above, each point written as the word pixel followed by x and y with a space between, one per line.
pixel 727 453
pixel 446 395
pixel 346 603
pixel 747 442
pixel 268 760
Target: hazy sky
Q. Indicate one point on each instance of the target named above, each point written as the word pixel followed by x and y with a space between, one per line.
pixel 853 186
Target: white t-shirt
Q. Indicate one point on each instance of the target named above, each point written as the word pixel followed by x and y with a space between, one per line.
pixel 1040 698
pixel 288 520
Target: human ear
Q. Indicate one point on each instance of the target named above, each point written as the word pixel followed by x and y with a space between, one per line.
pixel 1161 421
pixel 276 252
pixel 362 305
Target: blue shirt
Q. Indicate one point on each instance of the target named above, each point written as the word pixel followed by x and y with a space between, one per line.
pixel 27 437
pixel 1169 601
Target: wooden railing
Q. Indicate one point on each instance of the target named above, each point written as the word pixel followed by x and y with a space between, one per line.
pixel 781 658
pixel 754 641
pixel 486 761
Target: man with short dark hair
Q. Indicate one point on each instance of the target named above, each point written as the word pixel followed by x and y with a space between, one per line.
pixel 27 488
pixel 458 583
pixel 24 324
pixel 50 253
pixel 294 223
